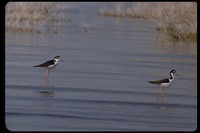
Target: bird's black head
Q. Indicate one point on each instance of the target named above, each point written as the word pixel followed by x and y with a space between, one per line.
pixel 57 57
pixel 173 71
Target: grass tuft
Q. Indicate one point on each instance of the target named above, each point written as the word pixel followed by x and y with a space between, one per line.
pixel 178 19
pixel 32 16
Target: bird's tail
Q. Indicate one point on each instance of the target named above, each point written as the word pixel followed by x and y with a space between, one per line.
pixel 37 66
pixel 153 82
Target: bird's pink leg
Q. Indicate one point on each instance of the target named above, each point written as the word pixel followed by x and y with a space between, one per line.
pixel 48 74
pixel 159 90
pixel 161 93
pixel 46 77
pixel 160 99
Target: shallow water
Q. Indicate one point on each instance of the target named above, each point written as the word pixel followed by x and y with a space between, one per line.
pixel 103 83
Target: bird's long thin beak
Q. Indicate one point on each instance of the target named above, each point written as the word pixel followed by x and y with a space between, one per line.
pixel 62 60
pixel 177 75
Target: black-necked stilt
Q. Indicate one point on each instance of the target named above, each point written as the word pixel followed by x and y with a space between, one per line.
pixel 164 83
pixel 51 64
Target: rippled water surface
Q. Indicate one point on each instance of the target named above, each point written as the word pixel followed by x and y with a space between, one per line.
pixel 103 84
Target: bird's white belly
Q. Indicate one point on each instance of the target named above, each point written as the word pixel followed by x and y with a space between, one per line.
pixel 165 85
pixel 52 66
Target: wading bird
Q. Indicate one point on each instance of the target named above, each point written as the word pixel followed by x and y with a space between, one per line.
pixel 164 83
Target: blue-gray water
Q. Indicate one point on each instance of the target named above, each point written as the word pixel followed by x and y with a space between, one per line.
pixel 103 84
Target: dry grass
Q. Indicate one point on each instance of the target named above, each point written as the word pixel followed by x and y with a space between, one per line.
pixel 178 19
pixel 32 16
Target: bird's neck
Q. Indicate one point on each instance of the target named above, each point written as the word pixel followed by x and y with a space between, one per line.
pixel 56 61
pixel 171 76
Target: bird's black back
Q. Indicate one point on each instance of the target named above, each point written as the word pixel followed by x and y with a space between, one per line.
pixel 159 81
pixel 46 64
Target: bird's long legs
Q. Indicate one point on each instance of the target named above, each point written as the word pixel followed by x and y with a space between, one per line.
pixel 159 91
pixel 46 77
pixel 46 74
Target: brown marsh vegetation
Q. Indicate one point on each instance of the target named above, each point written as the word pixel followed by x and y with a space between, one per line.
pixel 178 19
pixel 31 16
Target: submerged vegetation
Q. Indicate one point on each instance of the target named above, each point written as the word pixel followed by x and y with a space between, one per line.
pixel 178 19
pixel 31 16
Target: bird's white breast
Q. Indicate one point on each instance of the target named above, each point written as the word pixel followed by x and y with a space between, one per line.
pixel 165 85
pixel 52 66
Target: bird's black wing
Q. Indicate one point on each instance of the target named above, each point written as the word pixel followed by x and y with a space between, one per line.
pixel 159 81
pixel 46 64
